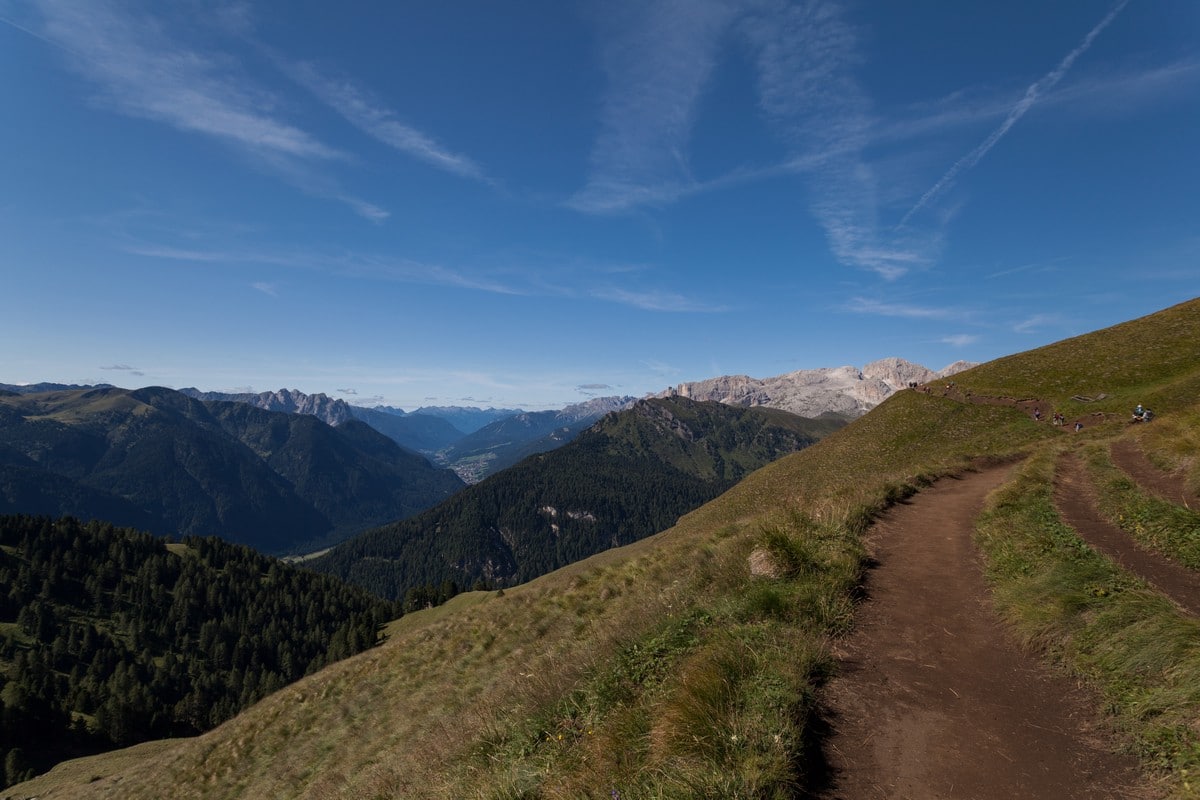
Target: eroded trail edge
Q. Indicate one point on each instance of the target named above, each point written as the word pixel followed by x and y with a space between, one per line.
pixel 1074 497
pixel 933 699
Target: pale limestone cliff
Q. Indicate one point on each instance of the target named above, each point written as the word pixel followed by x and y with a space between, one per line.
pixel 811 392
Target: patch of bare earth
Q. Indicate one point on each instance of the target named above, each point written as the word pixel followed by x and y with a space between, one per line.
pixel 1170 486
pixel 933 699
pixel 1074 495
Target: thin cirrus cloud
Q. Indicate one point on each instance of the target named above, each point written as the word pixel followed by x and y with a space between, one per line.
pixel 806 56
pixel 658 57
pixel 143 72
pixel 960 339
pixel 389 268
pixel 658 60
pixel 370 116
pixel 656 301
pixel 345 265
pixel 1032 94
pixel 863 305
pixel 124 368
pixel 1118 92
pixel 1036 322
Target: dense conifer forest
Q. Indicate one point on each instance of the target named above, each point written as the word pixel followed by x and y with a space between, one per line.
pixel 110 636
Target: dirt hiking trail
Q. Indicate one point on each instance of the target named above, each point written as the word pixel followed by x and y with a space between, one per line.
pixel 1075 498
pixel 933 699
pixel 1170 486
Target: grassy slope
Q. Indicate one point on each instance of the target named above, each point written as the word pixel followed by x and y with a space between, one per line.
pixel 663 669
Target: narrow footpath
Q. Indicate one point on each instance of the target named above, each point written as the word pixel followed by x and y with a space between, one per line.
pixel 1074 496
pixel 933 699
pixel 1169 486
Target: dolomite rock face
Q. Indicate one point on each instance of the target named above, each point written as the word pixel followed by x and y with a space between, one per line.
pixel 848 391
pixel 291 401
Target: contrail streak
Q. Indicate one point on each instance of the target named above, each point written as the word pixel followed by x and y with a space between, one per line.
pixel 1032 94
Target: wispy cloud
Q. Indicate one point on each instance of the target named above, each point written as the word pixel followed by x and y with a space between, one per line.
pixel 124 368
pixel 807 54
pixel 266 288
pixel 863 305
pixel 1113 93
pixel 143 71
pixel 593 389
pixel 346 265
pixel 960 339
pixel 513 282
pixel 1035 91
pixel 368 114
pixel 1038 266
pixel 660 368
pixel 658 57
pixel 1037 322
pixel 656 301
pixel 658 60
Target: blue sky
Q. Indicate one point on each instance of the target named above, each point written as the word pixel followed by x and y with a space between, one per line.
pixel 528 204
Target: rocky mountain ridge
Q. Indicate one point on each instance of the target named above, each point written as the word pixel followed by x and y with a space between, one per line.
pixel 847 390
pixel 292 401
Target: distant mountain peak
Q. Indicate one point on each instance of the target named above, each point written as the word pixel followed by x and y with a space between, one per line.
pixel 596 407
pixel 293 401
pixel 844 390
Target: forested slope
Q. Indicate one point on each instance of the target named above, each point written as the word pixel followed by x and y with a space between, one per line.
pixel 110 636
pixel 631 474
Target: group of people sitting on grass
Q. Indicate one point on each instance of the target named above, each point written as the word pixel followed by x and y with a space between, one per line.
pixel 1142 414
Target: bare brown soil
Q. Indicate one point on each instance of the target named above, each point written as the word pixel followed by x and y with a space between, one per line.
pixel 1074 496
pixel 933 699
pixel 1169 486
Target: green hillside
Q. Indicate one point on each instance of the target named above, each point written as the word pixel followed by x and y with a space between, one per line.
pixel 668 669
pixel 630 475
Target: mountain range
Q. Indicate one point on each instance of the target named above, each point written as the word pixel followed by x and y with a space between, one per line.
pixel 507 440
pixel 167 463
pixel 283 484
pixel 477 442
pixel 474 442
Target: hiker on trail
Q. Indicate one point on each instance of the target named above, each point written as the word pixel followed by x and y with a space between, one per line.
pixel 1037 415
pixel 1140 414
pixel 1078 427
